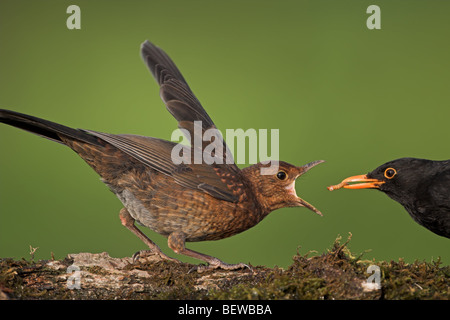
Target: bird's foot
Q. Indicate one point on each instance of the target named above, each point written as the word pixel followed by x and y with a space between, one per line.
pixel 217 264
pixel 149 255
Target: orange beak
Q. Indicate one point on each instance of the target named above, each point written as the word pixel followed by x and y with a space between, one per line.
pixel 357 182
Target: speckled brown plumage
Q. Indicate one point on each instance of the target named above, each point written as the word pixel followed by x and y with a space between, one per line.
pixel 184 202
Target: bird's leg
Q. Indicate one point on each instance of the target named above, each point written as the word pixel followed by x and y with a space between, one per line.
pixel 128 222
pixel 176 242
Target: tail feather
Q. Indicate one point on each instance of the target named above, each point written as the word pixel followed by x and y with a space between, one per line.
pixel 44 128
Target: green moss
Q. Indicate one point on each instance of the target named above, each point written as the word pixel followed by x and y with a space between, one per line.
pixel 338 274
pixel 335 274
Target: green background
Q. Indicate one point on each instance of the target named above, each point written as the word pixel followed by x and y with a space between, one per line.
pixel 336 90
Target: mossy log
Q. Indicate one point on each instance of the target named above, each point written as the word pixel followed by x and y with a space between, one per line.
pixel 336 274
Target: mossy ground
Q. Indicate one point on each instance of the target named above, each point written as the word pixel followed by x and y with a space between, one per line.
pixel 336 274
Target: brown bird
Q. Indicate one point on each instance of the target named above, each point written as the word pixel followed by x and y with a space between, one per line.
pixel 184 202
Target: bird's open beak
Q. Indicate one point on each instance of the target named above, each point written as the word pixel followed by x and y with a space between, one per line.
pixel 302 170
pixel 308 166
pixel 357 182
pixel 305 204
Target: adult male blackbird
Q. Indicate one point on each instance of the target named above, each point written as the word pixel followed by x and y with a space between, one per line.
pixel 421 186
pixel 183 201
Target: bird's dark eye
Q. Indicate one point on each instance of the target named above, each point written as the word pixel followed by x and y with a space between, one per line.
pixel 390 173
pixel 281 175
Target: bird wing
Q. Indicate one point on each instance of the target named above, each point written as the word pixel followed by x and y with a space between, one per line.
pixel 440 188
pixel 180 100
pixel 157 154
pixel 218 177
pixel 431 207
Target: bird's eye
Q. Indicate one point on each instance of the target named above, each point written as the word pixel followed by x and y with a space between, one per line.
pixel 390 173
pixel 281 175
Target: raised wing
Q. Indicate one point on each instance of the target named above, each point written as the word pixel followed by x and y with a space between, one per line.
pixel 216 178
pixel 175 92
pixel 179 99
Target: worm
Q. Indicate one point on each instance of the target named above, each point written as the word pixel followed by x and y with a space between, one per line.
pixel 337 186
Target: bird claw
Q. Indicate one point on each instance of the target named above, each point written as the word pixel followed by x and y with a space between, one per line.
pixel 219 265
pixel 141 254
pixel 144 254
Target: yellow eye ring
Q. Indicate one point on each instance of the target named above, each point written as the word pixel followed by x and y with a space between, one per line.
pixel 390 173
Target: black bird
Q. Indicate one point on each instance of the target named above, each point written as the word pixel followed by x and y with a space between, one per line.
pixel 421 186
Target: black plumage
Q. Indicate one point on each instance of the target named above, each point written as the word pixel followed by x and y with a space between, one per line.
pixel 421 186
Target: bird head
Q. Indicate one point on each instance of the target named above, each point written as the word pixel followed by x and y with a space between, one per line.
pixel 399 179
pixel 275 188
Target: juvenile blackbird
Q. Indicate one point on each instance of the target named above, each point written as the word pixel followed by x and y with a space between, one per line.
pixel 184 201
pixel 421 186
